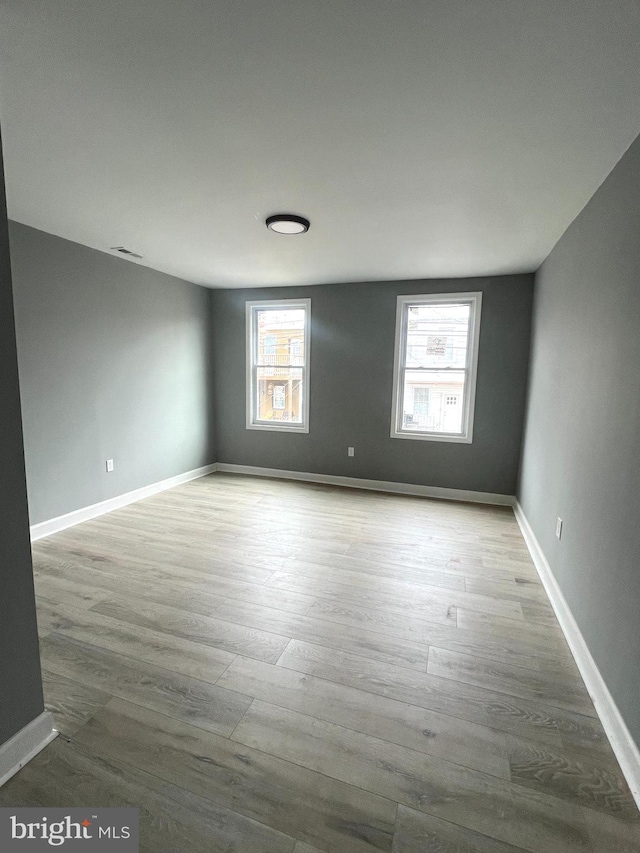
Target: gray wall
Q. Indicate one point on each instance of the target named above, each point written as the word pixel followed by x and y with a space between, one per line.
pixel 20 683
pixel 353 329
pixel 115 363
pixel 581 458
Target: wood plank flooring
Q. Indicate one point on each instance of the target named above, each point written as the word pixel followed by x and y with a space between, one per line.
pixel 272 667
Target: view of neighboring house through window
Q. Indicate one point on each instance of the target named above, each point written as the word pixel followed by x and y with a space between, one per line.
pixel 278 364
pixel 435 366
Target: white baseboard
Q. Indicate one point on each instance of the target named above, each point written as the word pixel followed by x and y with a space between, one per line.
pixel 25 745
pixel 371 485
pixel 623 744
pixel 54 525
pixel 70 519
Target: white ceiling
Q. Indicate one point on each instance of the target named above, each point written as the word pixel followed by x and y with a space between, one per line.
pixel 421 138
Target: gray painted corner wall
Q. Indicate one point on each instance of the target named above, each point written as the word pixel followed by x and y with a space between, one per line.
pixel 581 456
pixel 351 376
pixel 115 363
pixel 20 682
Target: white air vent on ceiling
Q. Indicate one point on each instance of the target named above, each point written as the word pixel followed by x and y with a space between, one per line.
pixel 127 252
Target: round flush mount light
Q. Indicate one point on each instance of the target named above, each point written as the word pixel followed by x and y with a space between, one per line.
pixel 287 223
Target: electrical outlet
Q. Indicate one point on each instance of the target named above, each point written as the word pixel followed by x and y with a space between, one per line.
pixel 559 528
pixel 351 451
pixel 109 466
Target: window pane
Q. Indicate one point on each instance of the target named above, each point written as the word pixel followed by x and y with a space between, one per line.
pixel 437 335
pixel 432 402
pixel 280 336
pixel 279 394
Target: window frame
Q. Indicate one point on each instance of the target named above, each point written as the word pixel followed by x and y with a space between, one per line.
pixel 251 309
pixel 474 300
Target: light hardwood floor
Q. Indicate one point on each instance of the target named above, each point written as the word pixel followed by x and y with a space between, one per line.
pixel 274 667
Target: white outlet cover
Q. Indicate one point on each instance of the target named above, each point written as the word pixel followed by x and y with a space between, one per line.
pixel 109 466
pixel 559 528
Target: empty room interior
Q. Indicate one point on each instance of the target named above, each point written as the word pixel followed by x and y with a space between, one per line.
pixel 320 457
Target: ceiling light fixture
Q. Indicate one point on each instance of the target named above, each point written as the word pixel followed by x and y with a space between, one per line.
pixel 287 223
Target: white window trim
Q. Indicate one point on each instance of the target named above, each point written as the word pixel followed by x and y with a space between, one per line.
pixel 251 340
pixel 474 299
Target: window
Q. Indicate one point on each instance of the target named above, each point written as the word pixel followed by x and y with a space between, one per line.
pixel 421 401
pixel 296 351
pixel 279 396
pixel 278 365
pixel 436 357
pixel 269 349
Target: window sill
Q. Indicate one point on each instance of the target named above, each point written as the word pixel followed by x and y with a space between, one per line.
pixel 279 427
pixel 423 436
